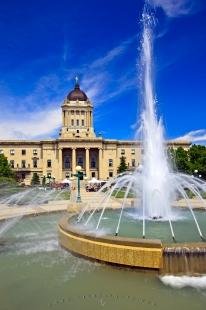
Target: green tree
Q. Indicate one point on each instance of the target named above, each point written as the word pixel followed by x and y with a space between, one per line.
pixel 182 160
pixel 197 159
pixel 5 169
pixel 35 179
pixel 122 166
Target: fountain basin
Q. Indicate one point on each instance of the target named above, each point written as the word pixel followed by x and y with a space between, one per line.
pixel 133 252
pixel 166 258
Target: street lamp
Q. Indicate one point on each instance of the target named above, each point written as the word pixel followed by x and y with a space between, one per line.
pixel 79 176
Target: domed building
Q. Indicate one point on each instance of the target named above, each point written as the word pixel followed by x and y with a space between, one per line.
pixel 77 145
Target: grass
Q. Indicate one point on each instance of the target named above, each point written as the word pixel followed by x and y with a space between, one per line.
pixel 32 195
pixel 121 194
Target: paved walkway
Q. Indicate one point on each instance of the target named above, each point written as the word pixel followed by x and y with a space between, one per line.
pixel 92 199
pixel 15 211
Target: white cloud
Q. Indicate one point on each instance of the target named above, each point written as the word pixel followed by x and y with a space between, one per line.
pixel 33 116
pixel 173 7
pixel 194 136
pixel 99 83
pixel 31 125
pixel 37 115
pixel 112 54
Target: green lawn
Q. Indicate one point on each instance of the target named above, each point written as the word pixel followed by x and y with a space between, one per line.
pixel 121 194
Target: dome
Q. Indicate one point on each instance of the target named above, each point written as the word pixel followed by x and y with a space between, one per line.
pixel 77 94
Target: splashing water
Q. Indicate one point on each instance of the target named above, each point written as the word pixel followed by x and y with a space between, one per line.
pixel 153 185
pixel 20 201
pixel 184 281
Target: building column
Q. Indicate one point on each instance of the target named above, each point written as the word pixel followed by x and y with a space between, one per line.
pixel 87 163
pixel 87 123
pixel 100 164
pixel 60 164
pixel 91 119
pixel 73 160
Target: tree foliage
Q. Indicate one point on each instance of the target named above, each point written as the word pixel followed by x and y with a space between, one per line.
pixel 5 169
pixel 122 166
pixel 192 161
pixel 35 179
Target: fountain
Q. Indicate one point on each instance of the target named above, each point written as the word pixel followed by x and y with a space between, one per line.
pixel 124 234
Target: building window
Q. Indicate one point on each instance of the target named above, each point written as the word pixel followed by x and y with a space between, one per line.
pixel 72 122
pixel 133 151
pixel 82 122
pixel 93 163
pixel 77 112
pixel 77 122
pixel 111 174
pixel 133 162
pixel 12 152
pixel 35 152
pixel 80 161
pixel 122 151
pixel 82 112
pixel 49 163
pixel 72 112
pixel 12 163
pixel 110 162
pixel 1 151
pixel 93 175
pixel 23 152
pixel 23 163
pixel 66 162
pixel 35 163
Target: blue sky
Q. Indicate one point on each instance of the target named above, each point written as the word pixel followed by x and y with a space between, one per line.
pixel 45 44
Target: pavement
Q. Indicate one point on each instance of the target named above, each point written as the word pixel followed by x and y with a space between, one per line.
pixel 90 199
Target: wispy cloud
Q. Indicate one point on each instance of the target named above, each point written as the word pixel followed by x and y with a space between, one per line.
pixel 38 113
pixel 34 116
pixel 194 136
pixel 32 125
pixel 174 8
pixel 101 83
pixel 112 54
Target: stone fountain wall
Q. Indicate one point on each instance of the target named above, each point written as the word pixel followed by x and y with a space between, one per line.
pixel 184 259
pixel 122 251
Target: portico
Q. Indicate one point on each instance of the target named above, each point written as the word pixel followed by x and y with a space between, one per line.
pixel 89 158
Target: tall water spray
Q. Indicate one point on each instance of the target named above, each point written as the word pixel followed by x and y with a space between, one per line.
pixel 156 190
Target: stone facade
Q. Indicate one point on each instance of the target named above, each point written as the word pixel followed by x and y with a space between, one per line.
pixel 77 144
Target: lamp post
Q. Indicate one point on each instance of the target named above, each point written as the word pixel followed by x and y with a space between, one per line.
pixel 79 176
pixel 49 178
